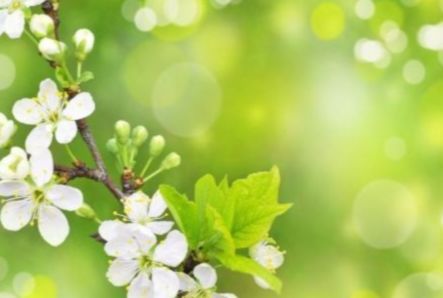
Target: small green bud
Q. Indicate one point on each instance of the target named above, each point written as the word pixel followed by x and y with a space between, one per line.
pixel 173 160
pixel 112 146
pixel 156 146
pixel 86 211
pixel 122 131
pixel 139 135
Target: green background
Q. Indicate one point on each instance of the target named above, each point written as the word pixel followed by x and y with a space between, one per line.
pixel 257 84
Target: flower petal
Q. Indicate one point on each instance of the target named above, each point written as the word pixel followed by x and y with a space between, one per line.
pixel 30 3
pixel 223 295
pixel 17 214
pixel 40 138
pixel 49 96
pixel 17 189
pixel 261 283
pixel 28 111
pixel 3 15
pixel 160 227
pixel 166 283
pixel 81 106
pixel 136 206
pixel 52 224
pixel 66 131
pixel 205 275
pixel 42 167
pixel 158 206
pixel 110 229
pixel 172 250
pixel 121 272
pixel 15 24
pixel 141 287
pixel 187 283
pixel 65 197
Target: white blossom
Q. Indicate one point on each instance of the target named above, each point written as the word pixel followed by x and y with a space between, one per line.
pixel 52 49
pixel 84 41
pixel 37 198
pixel 7 130
pixel 141 262
pixel 203 285
pixel 267 255
pixel 147 212
pixel 12 16
pixel 52 113
pixel 41 25
pixel 15 165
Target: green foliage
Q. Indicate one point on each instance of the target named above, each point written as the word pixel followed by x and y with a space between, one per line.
pixel 223 219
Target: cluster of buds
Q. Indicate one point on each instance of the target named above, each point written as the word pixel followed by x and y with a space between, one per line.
pixel 126 144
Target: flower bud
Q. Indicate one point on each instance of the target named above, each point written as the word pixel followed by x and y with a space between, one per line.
pixel 139 135
pixel 112 146
pixel 171 161
pixel 7 130
pixel 52 49
pixel 86 211
pixel 122 131
pixel 42 25
pixel 84 43
pixel 156 146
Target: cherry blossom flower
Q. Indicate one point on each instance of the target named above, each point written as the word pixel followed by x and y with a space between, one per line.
pixel 147 212
pixel 141 262
pixel 37 198
pixel 203 285
pixel 267 255
pixel 52 113
pixel 7 130
pixel 12 16
pixel 15 165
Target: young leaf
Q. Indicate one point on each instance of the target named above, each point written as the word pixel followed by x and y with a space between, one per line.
pixel 256 207
pixel 184 213
pixel 246 265
pixel 208 193
pixel 217 236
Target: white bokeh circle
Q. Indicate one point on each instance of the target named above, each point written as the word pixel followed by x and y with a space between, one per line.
pixel 7 72
pixel 420 285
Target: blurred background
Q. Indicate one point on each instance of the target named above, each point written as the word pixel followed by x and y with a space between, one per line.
pixel 344 96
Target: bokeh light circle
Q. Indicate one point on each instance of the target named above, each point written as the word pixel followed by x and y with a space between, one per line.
pixel 420 285
pixel 395 148
pixel 23 284
pixel 414 72
pixel 3 268
pixel 7 295
pixel 384 214
pixel 328 21
pixel 395 39
pixel 372 51
pixel 7 72
pixel 364 9
pixel 145 19
pixel 186 99
pixel 182 12
pixel 424 245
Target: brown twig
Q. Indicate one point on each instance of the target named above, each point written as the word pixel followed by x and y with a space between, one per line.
pixel 100 174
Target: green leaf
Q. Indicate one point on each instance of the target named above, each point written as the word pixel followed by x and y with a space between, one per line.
pixel 246 265
pixel 184 213
pixel 62 77
pixel 256 207
pixel 208 193
pixel 216 235
pixel 85 77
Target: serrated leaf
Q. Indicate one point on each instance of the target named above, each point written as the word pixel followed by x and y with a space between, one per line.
pixel 246 265
pixel 184 213
pixel 217 236
pixel 208 193
pixel 256 207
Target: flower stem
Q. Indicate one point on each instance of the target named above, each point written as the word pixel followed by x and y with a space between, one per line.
pixel 71 154
pixel 31 37
pixel 153 175
pixel 146 167
pixel 79 70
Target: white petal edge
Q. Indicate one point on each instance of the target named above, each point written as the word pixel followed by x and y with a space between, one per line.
pixel 40 138
pixel 17 189
pixel 53 225
pixel 42 167
pixel 81 106
pixel 166 283
pixel 141 287
pixel 27 111
pixel 160 227
pixel 205 275
pixel 65 197
pixel 17 214
pixel 121 272
pixel 172 251
pixel 66 131
pixel 15 24
pixel 158 205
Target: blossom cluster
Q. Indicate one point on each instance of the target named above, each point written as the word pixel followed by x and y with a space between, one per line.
pixel 150 256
